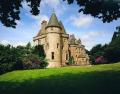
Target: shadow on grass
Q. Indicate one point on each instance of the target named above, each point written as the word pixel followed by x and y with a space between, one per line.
pixel 106 82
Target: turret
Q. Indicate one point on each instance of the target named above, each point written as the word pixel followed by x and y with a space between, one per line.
pixel 53 31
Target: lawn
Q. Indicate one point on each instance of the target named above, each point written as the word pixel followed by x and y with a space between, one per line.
pixel 98 79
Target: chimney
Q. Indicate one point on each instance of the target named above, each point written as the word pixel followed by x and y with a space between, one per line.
pixel 43 24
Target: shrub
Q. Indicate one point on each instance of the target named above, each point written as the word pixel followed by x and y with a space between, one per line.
pixel 71 61
pixel 33 61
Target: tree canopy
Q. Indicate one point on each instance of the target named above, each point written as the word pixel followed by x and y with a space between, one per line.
pixel 21 57
pixel 106 10
pixel 107 53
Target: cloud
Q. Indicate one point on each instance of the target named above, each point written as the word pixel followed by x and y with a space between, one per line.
pixel 58 6
pixel 91 38
pixel 40 17
pixel 13 43
pixel 81 20
pixel 91 34
pixel 37 19
pixel 50 3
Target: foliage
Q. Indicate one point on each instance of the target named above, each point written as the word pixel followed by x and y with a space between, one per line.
pixel 33 61
pixel 112 52
pixel 101 60
pixel 10 10
pixel 20 57
pixel 71 60
pixel 109 52
pixel 107 10
pixel 38 50
pixel 96 79
pixel 96 52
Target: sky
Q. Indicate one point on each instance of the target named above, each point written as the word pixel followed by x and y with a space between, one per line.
pixel 90 30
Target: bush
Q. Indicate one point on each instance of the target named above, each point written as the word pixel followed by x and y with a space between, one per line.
pixel 33 61
pixel 21 57
pixel 71 61
pixel 5 67
pixel 43 63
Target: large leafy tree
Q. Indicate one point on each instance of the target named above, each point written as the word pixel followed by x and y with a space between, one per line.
pixel 97 51
pixel 107 10
pixel 112 52
pixel 10 10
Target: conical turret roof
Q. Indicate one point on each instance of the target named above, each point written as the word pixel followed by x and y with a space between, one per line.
pixel 53 22
pixel 61 24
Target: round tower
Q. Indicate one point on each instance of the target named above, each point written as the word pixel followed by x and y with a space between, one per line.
pixel 53 37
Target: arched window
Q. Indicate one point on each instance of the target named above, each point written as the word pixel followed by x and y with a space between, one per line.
pixel 52 55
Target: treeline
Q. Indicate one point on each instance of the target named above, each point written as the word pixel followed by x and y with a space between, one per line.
pixel 21 57
pixel 108 53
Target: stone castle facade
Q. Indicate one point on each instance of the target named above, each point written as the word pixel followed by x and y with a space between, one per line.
pixel 58 45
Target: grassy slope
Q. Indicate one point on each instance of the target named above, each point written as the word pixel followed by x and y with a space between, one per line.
pixel 100 79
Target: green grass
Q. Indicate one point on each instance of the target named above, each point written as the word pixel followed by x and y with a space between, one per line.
pixel 99 79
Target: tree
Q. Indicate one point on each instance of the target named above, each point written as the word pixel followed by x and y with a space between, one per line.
pixel 39 50
pixel 96 53
pixel 10 10
pixel 21 57
pixel 107 10
pixel 33 61
pixel 112 52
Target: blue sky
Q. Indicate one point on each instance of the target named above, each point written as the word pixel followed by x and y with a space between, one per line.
pixel 90 30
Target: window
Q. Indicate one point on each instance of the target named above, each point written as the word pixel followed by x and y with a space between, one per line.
pixel 62 46
pixel 52 55
pixel 66 56
pixel 57 45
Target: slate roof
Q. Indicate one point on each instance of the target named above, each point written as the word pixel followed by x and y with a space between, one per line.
pixel 53 22
pixel 61 24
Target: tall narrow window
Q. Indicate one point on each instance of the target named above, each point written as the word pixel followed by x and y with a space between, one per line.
pixel 52 55
pixel 57 45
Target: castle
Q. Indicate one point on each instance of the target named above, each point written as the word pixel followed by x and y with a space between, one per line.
pixel 59 47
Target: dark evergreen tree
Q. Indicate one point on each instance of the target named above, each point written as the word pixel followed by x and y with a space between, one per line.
pixel 112 52
pixel 39 50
